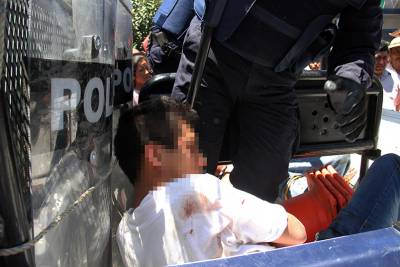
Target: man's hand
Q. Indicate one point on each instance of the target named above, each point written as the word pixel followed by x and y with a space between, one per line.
pixel 347 98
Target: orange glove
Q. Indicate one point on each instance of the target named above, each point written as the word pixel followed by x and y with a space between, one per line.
pixel 316 208
pixel 338 182
pixel 327 194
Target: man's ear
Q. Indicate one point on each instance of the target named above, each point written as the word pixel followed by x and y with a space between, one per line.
pixel 152 154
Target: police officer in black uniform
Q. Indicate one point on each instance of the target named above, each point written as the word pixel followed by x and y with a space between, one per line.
pixel 258 51
pixel 167 33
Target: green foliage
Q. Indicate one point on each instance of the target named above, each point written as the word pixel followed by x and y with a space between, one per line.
pixel 142 14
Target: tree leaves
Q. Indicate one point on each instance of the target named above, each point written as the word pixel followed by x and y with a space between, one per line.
pixel 142 15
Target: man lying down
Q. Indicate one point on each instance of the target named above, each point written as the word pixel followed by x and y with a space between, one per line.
pixel 181 215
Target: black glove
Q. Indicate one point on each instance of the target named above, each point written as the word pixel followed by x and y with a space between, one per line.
pixel 347 98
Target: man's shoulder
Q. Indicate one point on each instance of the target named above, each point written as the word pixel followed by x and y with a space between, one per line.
pixel 204 177
pixel 191 180
pixel 198 187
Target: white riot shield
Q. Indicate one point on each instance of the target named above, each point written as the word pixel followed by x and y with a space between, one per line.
pixel 70 67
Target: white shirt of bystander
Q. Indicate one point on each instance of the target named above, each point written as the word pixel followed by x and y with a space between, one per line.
pixel 388 86
pixel 197 218
pixel 396 81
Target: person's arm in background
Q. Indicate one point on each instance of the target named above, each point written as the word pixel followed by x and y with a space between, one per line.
pixel 351 65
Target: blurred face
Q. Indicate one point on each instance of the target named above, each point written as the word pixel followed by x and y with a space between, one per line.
pixel 394 54
pixel 186 157
pixel 143 73
pixel 381 60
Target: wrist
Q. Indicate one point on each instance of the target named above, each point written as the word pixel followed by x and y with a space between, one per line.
pixel 354 71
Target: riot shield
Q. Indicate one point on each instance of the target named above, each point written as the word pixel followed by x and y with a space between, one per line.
pixel 123 53
pixel 122 189
pixel 70 67
pixel 15 200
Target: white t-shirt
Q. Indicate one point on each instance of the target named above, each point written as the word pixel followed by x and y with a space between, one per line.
pixel 197 218
pixel 388 86
pixel 390 81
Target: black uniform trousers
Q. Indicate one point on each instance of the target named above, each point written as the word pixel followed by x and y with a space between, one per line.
pixel 260 102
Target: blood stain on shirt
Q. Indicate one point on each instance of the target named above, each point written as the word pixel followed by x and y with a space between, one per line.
pixel 190 207
pixel 198 203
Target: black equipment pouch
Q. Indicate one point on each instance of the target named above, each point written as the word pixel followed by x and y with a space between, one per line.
pixel 167 44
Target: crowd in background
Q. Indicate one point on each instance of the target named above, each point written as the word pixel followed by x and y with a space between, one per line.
pixel 387 70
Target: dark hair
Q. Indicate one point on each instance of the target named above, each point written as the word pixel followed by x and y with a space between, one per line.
pixel 384 46
pixel 153 121
pixel 136 59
